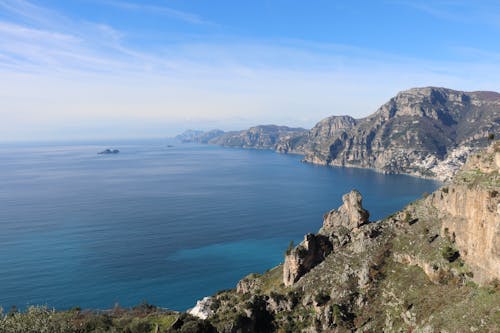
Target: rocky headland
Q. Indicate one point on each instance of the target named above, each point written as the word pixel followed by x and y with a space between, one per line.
pixel 258 137
pixel 427 132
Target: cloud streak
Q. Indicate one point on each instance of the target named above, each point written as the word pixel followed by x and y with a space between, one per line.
pixel 475 12
pixel 159 10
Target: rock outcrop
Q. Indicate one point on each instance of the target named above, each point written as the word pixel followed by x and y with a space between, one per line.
pixel 350 215
pixel 315 248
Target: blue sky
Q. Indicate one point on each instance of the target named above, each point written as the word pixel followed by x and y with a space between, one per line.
pixel 96 69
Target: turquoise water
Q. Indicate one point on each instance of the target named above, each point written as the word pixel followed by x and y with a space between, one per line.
pixel 169 225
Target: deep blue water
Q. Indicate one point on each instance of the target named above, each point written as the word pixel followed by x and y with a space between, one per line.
pixel 166 225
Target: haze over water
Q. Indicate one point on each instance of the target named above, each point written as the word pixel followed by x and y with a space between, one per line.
pixel 169 225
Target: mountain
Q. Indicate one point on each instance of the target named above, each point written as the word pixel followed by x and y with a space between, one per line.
pixel 260 137
pixel 189 135
pixel 422 131
pixel 432 267
pixel 427 132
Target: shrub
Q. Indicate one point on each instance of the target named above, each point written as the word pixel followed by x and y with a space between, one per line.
pixel 321 298
pixel 450 254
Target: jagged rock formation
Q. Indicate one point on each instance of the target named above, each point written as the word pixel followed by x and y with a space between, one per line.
pixel 422 131
pixel 350 215
pixel 414 271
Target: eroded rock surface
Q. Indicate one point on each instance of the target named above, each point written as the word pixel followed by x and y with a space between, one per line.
pixel 469 209
pixel 305 256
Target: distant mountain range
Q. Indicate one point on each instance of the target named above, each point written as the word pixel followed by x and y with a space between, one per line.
pixel 422 131
pixel 258 137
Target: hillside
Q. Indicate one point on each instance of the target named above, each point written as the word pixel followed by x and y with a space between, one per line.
pixel 432 267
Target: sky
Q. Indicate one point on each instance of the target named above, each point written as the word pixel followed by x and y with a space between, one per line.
pixel 104 69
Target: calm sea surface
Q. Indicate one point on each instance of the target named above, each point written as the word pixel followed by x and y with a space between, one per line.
pixel 169 225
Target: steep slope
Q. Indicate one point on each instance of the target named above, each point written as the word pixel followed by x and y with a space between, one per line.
pixel 422 131
pixel 432 267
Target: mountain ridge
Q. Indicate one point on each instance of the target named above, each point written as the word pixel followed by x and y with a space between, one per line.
pixel 426 132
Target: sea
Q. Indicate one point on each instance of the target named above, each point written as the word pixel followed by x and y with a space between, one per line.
pixel 161 222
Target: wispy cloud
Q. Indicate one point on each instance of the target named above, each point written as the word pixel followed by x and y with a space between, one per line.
pixel 476 12
pixel 159 10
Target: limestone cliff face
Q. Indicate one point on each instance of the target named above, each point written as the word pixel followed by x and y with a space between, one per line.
pixel 301 259
pixel 469 209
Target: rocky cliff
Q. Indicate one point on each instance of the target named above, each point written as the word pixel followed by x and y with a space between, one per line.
pixel 469 211
pixel 422 131
pixel 432 267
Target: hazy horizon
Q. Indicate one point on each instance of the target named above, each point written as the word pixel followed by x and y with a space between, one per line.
pixel 90 69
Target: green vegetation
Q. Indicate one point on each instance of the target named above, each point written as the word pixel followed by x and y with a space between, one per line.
pixel 144 318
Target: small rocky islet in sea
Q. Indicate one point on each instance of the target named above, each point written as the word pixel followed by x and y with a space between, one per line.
pixel 109 152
